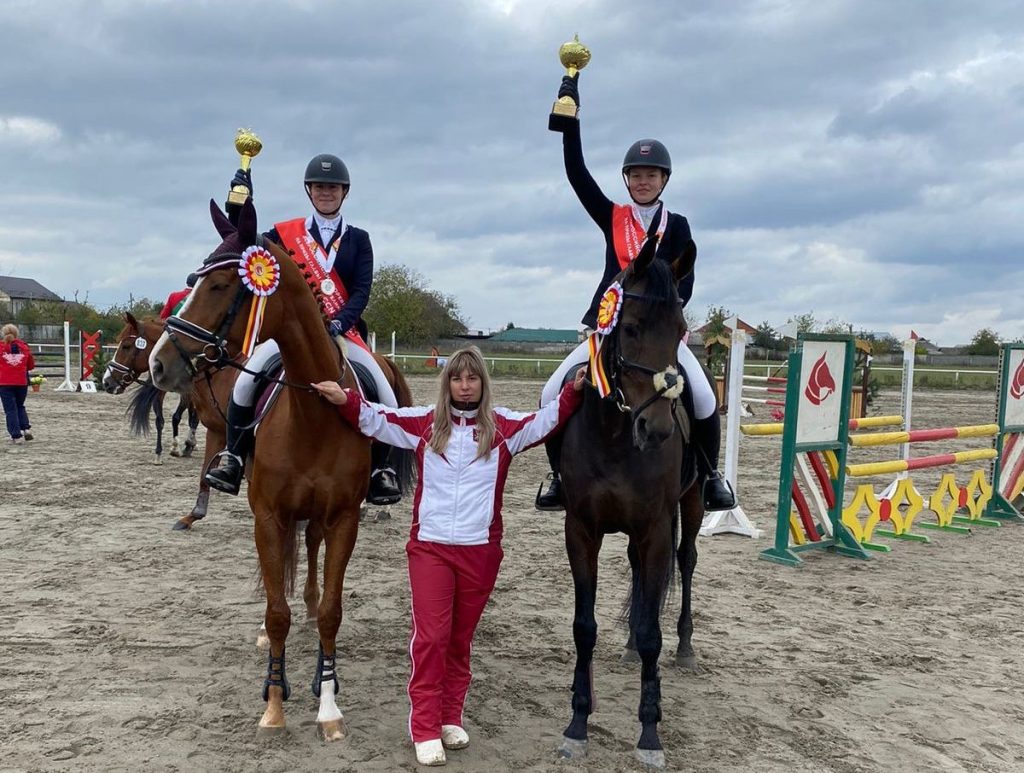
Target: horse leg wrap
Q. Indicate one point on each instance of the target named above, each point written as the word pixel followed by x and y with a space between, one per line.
pixel 324 671
pixel 276 677
pixel 650 702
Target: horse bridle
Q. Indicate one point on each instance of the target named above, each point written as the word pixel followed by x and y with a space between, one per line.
pixel 127 375
pixel 214 353
pixel 620 364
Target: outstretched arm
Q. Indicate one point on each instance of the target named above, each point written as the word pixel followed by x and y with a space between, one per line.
pixel 401 427
pixel 525 430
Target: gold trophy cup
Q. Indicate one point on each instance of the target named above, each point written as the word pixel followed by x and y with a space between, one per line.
pixel 574 56
pixel 248 146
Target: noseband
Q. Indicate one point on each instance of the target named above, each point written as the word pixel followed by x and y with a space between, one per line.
pixel 127 375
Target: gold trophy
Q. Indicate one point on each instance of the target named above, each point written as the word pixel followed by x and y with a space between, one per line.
pixel 574 56
pixel 248 146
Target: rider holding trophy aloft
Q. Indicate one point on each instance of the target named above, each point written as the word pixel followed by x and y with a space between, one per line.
pixel 646 169
pixel 341 258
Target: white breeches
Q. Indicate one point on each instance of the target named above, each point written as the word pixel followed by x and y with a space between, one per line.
pixel 703 395
pixel 244 392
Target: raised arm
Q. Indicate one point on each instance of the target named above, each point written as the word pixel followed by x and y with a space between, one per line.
pixel 598 206
pixel 525 430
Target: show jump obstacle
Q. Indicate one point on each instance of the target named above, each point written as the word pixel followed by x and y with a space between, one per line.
pixel 817 434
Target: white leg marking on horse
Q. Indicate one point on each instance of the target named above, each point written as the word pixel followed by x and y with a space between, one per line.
pixel 329 710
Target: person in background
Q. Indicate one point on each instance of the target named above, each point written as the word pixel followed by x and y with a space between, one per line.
pixel 16 361
pixel 464 446
pixel 177 299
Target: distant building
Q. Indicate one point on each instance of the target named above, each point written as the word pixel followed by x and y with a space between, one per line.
pixel 744 326
pixel 527 335
pixel 17 292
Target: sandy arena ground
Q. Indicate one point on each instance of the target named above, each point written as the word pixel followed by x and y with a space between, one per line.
pixel 130 647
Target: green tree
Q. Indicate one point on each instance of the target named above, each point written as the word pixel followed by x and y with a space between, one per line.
pixel 715 321
pixel 985 342
pixel 401 301
pixel 805 323
pixel 766 337
pixel 836 327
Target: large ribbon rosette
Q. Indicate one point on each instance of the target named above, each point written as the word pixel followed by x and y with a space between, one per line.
pixel 607 318
pixel 259 271
pixel 261 274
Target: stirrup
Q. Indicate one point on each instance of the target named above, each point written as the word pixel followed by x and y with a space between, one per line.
pixel 384 487
pixel 223 478
pixel 716 493
pixel 550 500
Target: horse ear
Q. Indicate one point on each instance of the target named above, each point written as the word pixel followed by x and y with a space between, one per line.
pixel 220 220
pixel 643 260
pixel 247 223
pixel 130 319
pixel 683 265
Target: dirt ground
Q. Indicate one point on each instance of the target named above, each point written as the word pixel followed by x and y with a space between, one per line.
pixel 128 646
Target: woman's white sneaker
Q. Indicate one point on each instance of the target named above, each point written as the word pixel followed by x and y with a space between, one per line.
pixel 430 752
pixel 454 737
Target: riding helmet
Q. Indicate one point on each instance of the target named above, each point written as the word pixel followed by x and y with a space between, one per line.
pixel 326 168
pixel 647 153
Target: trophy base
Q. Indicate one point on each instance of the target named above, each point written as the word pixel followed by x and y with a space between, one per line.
pixel 237 197
pixel 560 121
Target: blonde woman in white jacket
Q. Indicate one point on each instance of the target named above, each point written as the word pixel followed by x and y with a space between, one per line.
pixel 463 448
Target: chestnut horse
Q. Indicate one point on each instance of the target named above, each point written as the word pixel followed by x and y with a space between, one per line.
pixel 627 467
pixel 130 362
pixel 307 462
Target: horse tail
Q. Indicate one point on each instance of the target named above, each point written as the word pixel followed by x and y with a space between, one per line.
pixel 666 587
pixel 290 556
pixel 142 403
pixel 402 460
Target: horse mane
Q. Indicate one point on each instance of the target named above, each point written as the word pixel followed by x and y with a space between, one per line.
pixel 661 282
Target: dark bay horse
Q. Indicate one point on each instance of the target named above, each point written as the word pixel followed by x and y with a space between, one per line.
pixel 307 462
pixel 626 468
pixel 130 362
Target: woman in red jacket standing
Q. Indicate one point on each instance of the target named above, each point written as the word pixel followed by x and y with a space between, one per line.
pixel 464 446
pixel 15 362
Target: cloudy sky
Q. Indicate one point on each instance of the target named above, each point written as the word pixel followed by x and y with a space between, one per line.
pixel 862 160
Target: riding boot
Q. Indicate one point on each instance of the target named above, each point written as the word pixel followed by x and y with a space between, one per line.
pixel 552 498
pixel 715 490
pixel 384 486
pixel 228 476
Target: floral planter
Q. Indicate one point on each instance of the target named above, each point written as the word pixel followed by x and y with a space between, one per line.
pixel 36 387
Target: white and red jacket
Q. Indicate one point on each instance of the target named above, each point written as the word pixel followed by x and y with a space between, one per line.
pixel 458 496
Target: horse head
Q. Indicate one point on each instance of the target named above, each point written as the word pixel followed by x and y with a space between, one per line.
pixel 212 322
pixel 643 364
pixel 131 359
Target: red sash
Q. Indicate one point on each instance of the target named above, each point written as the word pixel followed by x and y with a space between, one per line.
pixel 304 249
pixel 628 232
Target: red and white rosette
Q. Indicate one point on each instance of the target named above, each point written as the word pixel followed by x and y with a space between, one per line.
pixel 260 271
pixel 608 309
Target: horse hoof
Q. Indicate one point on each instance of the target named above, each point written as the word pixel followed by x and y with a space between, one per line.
pixel 270 731
pixel 651 758
pixel 183 525
pixel 630 655
pixel 176 453
pixel 333 730
pixel 571 749
pixel 688 663
pixel 157 460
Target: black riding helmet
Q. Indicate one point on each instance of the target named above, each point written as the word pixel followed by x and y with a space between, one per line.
pixel 647 153
pixel 329 169
pixel 326 168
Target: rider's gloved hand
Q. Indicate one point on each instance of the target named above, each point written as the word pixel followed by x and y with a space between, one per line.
pixel 243 177
pixel 336 328
pixel 570 88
